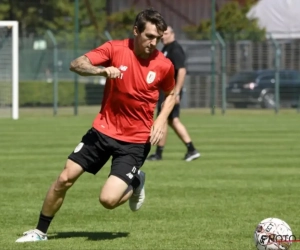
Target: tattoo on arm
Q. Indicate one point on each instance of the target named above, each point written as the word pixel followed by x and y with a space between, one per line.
pixel 82 66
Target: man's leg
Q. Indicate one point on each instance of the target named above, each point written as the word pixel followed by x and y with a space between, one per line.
pixel 126 180
pixel 180 130
pixel 58 189
pixel 184 136
pixel 53 201
pixel 115 192
pixel 85 157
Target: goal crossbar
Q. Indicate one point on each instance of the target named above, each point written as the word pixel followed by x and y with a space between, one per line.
pixel 15 65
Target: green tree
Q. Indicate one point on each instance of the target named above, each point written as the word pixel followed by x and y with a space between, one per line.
pixel 121 23
pixel 4 10
pixel 231 22
pixel 36 16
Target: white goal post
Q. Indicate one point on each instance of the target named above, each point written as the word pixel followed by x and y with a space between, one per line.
pixel 9 68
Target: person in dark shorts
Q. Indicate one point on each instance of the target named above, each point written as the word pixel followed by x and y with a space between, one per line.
pixel 173 51
pixel 124 128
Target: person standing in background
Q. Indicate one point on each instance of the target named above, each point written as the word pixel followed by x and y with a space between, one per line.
pixel 173 51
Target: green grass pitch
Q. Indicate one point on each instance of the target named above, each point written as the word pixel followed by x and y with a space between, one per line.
pixel 248 171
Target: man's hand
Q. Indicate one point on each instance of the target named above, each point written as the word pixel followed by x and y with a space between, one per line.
pixel 157 131
pixel 111 72
pixel 159 126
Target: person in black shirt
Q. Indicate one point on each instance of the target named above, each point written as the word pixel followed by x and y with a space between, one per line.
pixel 173 50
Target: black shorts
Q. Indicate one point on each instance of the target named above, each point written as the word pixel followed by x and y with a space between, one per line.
pixel 96 148
pixel 175 111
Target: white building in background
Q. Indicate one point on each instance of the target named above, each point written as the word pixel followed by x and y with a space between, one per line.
pixel 279 17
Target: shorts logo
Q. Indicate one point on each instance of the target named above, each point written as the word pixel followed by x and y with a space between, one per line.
pixel 79 147
pixel 129 175
pixel 134 170
pixel 150 77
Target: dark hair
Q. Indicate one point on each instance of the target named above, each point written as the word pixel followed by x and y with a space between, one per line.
pixel 152 16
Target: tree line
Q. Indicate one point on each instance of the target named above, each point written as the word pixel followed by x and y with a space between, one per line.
pixel 36 16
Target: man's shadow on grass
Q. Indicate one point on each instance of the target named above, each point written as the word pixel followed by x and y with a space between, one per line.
pixel 89 235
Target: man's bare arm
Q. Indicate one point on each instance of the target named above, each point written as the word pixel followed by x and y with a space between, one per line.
pixel 180 80
pixel 158 126
pixel 82 66
pixel 167 105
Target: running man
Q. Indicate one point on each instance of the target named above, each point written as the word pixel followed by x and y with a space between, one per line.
pixel 124 128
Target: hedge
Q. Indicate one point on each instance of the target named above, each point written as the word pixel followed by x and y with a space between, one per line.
pixel 36 93
pixel 5 93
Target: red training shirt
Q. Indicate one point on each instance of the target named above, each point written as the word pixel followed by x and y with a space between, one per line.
pixel 129 101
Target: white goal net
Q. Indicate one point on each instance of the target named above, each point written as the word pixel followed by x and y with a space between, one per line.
pixel 9 69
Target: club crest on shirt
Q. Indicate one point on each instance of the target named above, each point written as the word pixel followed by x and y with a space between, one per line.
pixel 150 77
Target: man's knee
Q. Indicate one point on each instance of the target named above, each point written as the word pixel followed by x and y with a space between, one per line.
pixel 174 122
pixel 63 182
pixel 112 192
pixel 108 201
pixel 67 177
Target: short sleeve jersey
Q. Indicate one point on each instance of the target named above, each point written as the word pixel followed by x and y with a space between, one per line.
pixel 129 101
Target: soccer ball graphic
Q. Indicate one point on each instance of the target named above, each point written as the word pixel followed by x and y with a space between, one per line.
pixel 273 234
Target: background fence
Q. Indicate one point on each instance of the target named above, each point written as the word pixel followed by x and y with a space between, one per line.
pixel 239 56
pixel 37 69
pixel 44 59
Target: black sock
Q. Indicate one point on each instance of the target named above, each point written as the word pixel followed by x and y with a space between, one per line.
pixel 135 182
pixel 159 150
pixel 190 147
pixel 44 223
